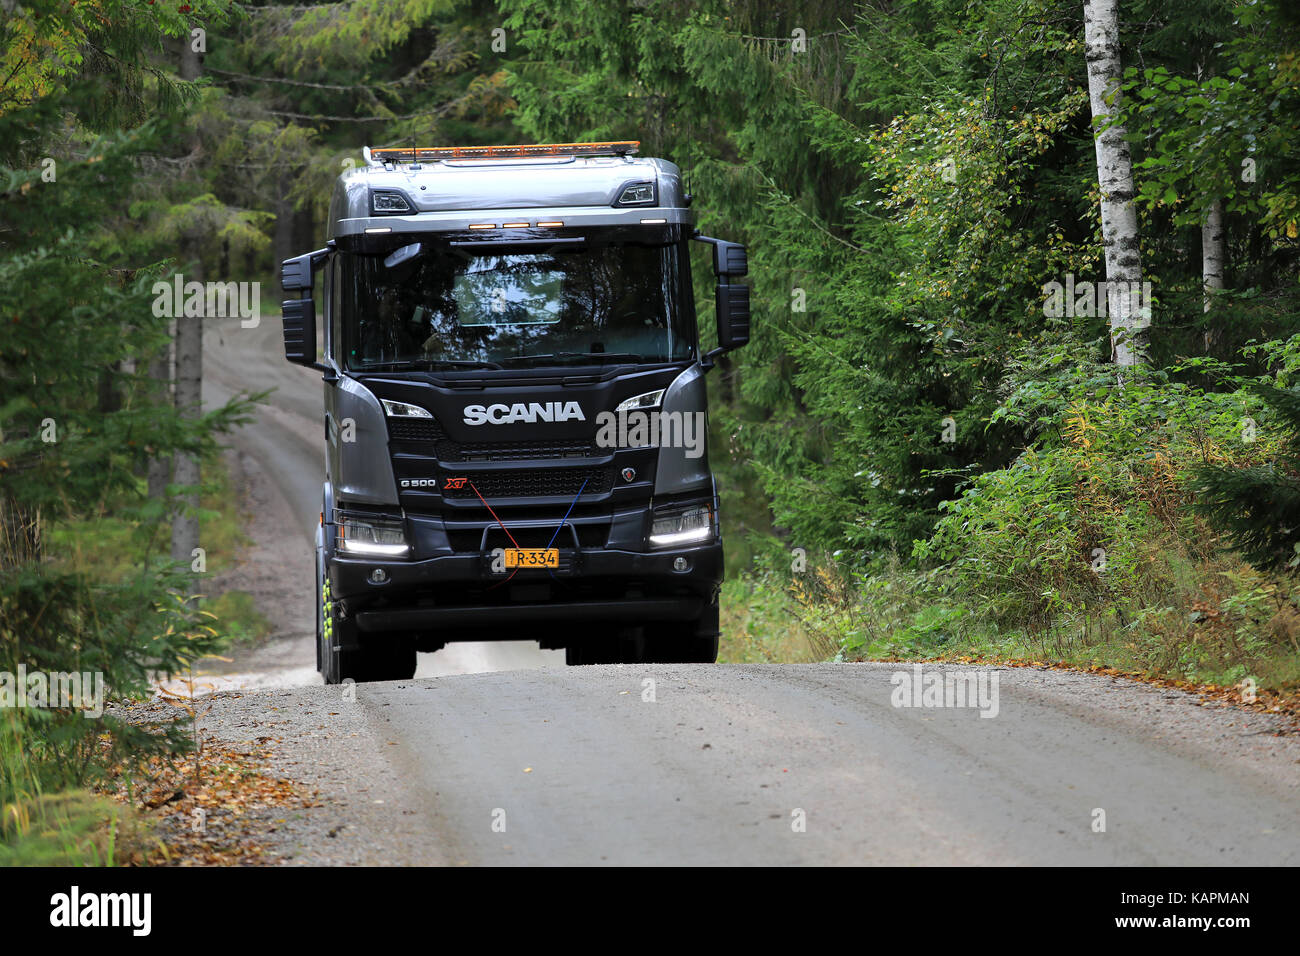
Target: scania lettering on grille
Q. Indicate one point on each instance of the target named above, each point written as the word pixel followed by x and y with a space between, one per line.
pixel 530 412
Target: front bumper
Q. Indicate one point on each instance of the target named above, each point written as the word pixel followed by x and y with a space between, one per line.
pixel 459 597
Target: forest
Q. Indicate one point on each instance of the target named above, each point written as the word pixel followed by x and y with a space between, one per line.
pixel 1023 380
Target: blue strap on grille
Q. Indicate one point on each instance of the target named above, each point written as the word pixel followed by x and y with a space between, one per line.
pixel 572 504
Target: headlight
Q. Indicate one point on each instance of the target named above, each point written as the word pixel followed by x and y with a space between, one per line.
pixel 641 402
pixel 403 410
pixel 389 202
pixel 692 526
pixel 636 194
pixel 372 535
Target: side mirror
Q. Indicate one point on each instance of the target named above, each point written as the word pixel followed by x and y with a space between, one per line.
pixel 296 274
pixel 730 258
pixel 299 330
pixel 730 261
pixel 299 315
pixel 732 306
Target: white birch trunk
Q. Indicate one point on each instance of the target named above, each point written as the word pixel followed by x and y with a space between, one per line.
pixel 1119 227
pixel 1213 256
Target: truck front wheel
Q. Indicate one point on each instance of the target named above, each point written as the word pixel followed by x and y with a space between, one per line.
pixel 338 656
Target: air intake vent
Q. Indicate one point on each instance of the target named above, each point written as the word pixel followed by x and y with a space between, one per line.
pixel 515 451
pixel 414 429
pixel 536 483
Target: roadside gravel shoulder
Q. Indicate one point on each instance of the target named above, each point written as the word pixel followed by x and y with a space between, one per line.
pixel 366 815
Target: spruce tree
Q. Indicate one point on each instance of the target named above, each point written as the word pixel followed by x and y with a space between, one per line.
pixel 1258 507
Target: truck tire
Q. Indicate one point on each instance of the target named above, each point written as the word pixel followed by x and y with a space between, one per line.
pixel 626 646
pixel 392 658
pixel 339 659
pixel 682 643
pixel 679 648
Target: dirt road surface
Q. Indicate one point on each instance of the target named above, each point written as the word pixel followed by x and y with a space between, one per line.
pixel 498 754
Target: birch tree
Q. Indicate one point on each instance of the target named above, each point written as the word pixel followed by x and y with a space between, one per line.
pixel 1212 261
pixel 1119 226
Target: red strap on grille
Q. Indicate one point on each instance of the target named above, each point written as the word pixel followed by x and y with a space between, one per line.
pixel 494 515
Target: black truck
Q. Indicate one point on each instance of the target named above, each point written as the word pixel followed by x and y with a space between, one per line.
pixel 515 407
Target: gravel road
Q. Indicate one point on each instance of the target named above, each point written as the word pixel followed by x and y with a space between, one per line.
pixel 578 766
pixel 498 754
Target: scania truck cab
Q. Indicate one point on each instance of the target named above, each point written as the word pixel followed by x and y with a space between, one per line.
pixel 514 407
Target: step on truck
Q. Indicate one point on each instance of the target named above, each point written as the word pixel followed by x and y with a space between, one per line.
pixel 515 407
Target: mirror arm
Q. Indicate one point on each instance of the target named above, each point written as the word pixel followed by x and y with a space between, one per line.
pixel 710 358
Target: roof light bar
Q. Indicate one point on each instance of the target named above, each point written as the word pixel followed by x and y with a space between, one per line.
pixel 397 154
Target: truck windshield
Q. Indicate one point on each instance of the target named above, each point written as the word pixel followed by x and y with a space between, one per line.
pixel 434 305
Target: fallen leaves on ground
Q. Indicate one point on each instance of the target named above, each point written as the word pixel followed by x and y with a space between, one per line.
pixel 210 808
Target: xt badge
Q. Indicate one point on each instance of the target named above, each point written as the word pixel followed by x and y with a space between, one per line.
pixel 455 483
pixel 629 474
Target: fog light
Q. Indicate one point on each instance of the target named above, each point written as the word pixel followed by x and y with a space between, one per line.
pixel 681 564
pixel 378 576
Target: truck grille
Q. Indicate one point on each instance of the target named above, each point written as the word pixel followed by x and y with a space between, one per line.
pixel 414 429
pixel 429 430
pixel 514 451
pixel 538 483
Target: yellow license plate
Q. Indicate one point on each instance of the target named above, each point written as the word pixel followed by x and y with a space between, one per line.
pixel 532 557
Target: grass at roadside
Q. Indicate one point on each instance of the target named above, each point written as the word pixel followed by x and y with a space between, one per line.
pixel 73 828
pixel 238 617
pixel 1216 623
pixel 48 758
pixel 110 546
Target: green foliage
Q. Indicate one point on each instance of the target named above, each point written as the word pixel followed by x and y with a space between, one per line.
pixel 1071 526
pixel 236 615
pixel 79 416
pixel 1258 506
pixel 74 828
pixel 127 632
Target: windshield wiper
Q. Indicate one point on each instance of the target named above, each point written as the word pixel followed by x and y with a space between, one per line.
pixel 427 364
pixel 602 356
